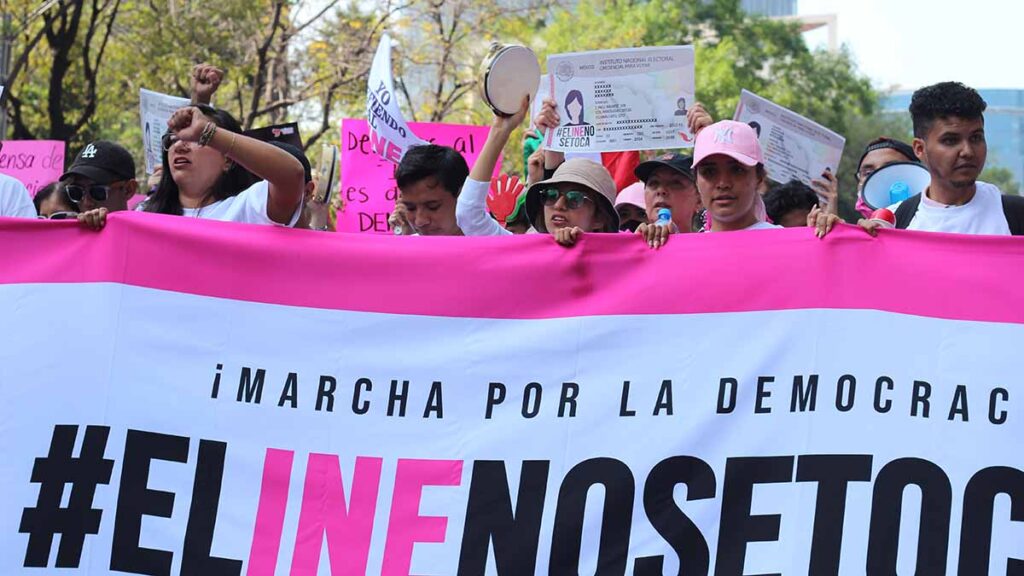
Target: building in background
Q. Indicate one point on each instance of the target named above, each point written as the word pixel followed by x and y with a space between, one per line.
pixel 771 8
pixel 787 10
pixel 1004 126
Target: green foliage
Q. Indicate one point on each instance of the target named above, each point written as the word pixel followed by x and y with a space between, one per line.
pixel 1002 178
pixel 279 69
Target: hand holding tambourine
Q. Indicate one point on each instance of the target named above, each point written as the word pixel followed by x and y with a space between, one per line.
pixel 508 74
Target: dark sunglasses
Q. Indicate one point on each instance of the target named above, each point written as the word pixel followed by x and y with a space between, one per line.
pixel 62 215
pixel 573 198
pixel 97 192
pixel 169 139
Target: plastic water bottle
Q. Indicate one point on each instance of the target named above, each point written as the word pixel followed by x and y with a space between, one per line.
pixel 664 217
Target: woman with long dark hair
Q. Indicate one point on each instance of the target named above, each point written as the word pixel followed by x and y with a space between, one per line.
pixel 211 170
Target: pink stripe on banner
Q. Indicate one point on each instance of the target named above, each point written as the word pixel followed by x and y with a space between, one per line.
pixel 266 538
pixel 405 526
pixel 926 274
pixel 347 527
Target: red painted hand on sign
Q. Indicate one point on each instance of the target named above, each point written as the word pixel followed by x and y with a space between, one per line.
pixel 501 199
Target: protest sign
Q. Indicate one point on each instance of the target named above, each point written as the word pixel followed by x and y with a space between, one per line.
pixel 35 163
pixel 794 147
pixel 389 396
pixel 288 132
pixel 155 109
pixel 543 93
pixel 617 100
pixel 391 136
pixel 368 190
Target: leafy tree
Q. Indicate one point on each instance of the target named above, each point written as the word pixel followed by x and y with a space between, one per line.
pixel 54 82
pixel 1001 177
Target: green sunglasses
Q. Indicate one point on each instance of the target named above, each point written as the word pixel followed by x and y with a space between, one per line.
pixel 573 198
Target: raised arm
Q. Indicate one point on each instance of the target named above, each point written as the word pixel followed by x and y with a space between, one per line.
pixel 283 173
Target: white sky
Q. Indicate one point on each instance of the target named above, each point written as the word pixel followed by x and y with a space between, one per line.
pixel 913 43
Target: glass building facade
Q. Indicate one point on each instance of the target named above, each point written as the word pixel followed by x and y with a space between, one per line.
pixel 770 8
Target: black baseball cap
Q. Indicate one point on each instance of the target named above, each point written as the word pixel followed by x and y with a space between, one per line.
pixel 677 162
pixel 103 162
pixel 307 169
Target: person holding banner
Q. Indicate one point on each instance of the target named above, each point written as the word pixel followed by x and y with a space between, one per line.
pixel 879 153
pixel 101 180
pixel 668 183
pixel 208 168
pixel 949 138
pixel 579 197
pixel 730 169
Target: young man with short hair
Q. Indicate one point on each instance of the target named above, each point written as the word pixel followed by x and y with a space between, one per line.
pixel 949 139
pixel 429 179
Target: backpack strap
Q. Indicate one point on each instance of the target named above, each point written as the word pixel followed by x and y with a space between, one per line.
pixel 1013 210
pixel 906 211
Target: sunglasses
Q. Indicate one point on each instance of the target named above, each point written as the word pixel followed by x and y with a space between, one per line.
pixel 97 192
pixel 573 198
pixel 62 215
pixel 169 139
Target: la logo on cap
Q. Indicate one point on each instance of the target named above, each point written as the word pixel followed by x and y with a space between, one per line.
pixel 89 152
pixel 723 135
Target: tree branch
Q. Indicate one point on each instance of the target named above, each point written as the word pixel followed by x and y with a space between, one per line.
pixel 261 64
pixel 305 24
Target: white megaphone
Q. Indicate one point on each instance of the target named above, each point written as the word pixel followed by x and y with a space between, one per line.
pixel 509 73
pixel 895 183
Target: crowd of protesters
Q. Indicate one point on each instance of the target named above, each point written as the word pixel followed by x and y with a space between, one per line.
pixel 210 169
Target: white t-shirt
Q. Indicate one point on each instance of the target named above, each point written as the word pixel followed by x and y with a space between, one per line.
pixel 982 215
pixel 15 200
pixel 249 207
pixel 761 225
pixel 471 211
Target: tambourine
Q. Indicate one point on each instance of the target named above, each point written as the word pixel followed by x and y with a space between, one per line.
pixel 328 169
pixel 508 73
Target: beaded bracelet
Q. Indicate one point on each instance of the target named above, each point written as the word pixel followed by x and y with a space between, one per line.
pixel 207 134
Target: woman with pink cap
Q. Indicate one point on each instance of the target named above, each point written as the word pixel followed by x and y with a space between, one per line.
pixel 729 167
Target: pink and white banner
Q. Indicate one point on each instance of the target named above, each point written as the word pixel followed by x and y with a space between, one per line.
pixel 190 397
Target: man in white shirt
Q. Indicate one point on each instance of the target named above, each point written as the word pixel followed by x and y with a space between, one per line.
pixel 15 200
pixel 949 138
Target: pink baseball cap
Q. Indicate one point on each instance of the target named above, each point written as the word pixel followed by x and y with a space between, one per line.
pixel 632 194
pixel 731 138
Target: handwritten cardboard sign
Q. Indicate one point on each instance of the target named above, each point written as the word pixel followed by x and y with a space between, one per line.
pixel 368 189
pixel 35 163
